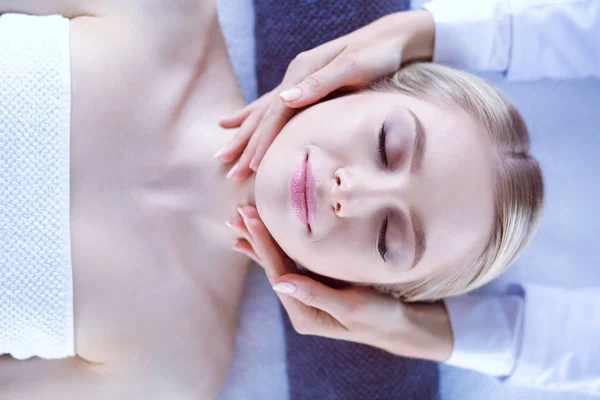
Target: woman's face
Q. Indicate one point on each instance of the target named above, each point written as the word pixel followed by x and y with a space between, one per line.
pixel 379 188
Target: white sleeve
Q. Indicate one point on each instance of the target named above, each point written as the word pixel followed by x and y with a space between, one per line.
pixel 486 330
pixel 525 39
pixel 535 336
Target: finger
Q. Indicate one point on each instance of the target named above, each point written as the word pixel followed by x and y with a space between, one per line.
pixel 312 321
pixel 269 128
pixel 243 170
pixel 244 217
pixel 245 214
pixel 341 72
pixel 242 246
pixel 238 144
pixel 275 261
pixel 315 294
pixel 305 319
pixel 250 211
pixel 237 225
pixel 236 119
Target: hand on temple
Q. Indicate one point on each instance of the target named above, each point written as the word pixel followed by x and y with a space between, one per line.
pixel 356 314
pixel 349 62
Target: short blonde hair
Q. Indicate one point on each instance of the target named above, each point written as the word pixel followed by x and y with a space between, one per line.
pixel 519 185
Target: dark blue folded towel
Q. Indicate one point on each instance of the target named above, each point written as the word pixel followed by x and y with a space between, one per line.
pixel 285 28
pixel 320 368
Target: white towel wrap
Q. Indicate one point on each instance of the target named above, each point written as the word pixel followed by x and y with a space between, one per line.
pixel 36 286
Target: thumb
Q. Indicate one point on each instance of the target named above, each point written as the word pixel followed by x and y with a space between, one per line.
pixel 315 294
pixel 335 75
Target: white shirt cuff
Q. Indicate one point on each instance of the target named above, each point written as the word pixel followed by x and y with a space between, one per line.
pixel 486 332
pixel 560 340
pixel 472 34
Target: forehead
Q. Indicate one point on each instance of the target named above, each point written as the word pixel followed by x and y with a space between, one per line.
pixel 457 182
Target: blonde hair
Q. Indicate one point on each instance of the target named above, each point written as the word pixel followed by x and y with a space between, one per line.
pixel 519 186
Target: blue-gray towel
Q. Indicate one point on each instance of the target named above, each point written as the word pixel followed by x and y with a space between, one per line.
pixel 320 368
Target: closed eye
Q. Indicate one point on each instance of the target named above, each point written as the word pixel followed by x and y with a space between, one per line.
pixel 381 147
pixel 381 240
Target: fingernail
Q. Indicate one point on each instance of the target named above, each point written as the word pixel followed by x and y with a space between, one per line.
pixel 236 249
pixel 244 217
pixel 253 165
pixel 291 94
pixel 232 170
pixel 241 212
pixel 285 288
pixel 220 152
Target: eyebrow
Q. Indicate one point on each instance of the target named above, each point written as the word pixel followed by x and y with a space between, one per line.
pixel 419 234
pixel 419 144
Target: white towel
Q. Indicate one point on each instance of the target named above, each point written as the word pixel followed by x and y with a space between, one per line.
pixel 36 289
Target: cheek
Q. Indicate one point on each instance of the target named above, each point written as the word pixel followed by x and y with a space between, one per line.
pixel 331 128
pixel 336 257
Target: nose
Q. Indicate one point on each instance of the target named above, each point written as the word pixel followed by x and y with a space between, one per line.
pixel 356 192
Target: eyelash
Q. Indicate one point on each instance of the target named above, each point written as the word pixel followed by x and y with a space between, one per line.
pixel 381 148
pixel 381 240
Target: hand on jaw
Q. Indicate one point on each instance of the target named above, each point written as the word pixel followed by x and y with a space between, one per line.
pixel 356 314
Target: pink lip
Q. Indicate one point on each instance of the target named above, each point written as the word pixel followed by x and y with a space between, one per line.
pixel 302 188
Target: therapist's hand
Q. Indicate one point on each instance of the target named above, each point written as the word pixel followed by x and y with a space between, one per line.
pixel 349 62
pixel 354 314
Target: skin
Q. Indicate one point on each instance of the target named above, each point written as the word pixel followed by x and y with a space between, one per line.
pixel 156 285
pixel 452 191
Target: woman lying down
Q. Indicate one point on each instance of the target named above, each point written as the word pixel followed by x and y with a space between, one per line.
pixel 421 187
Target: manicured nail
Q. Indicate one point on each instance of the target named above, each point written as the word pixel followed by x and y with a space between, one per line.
pixel 241 212
pixel 238 250
pixel 233 170
pixel 230 226
pixel 291 94
pixel 220 152
pixel 285 288
pixel 253 165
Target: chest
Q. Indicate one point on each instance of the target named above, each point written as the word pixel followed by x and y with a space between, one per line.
pixel 152 275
